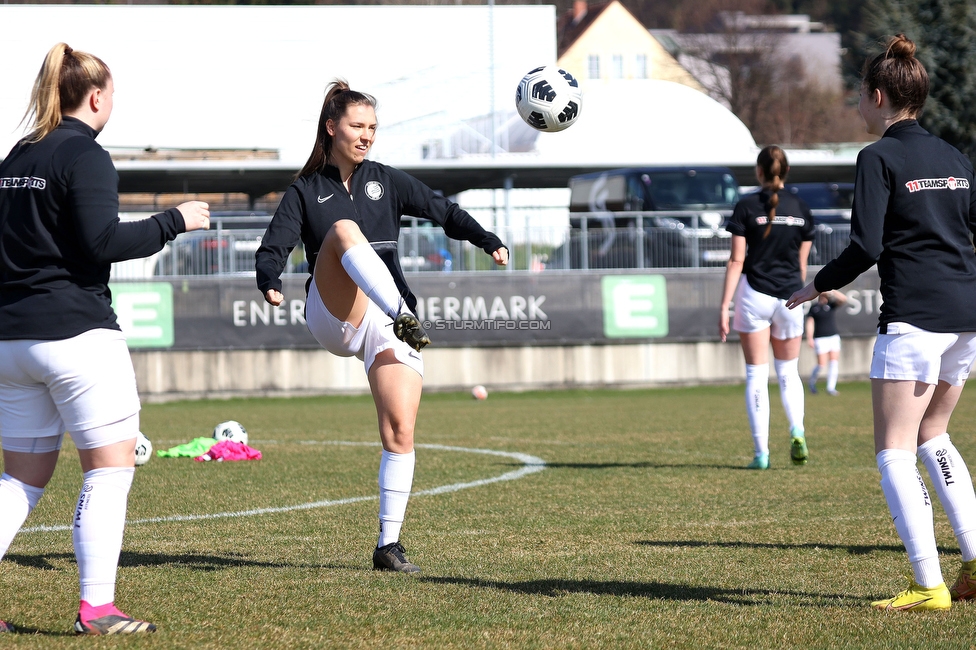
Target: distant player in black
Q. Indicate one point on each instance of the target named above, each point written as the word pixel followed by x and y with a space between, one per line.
pixel 823 337
pixel 64 364
pixel 914 215
pixel 772 232
pixel 347 210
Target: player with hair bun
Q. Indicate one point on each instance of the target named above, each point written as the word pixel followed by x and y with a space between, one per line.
pixel 914 215
pixel 64 363
pixel 347 210
pixel 772 233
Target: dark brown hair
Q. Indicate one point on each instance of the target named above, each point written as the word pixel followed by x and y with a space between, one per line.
pixel 899 75
pixel 338 98
pixel 772 161
pixel 65 79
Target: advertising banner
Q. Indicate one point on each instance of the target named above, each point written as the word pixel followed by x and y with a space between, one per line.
pixel 461 309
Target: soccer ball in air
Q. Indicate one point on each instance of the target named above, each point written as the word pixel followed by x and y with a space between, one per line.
pixel 230 430
pixel 549 99
pixel 144 449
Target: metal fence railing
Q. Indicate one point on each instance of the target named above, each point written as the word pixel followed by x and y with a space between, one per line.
pixel 228 248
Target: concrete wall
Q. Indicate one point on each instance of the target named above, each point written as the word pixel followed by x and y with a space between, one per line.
pixel 164 376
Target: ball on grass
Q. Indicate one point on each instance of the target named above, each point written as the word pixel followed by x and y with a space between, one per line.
pixel 230 430
pixel 479 392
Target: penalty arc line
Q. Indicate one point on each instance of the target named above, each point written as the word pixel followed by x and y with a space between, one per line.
pixel 530 465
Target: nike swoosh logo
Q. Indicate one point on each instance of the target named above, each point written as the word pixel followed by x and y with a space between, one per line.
pixel 901 608
pixel 323 199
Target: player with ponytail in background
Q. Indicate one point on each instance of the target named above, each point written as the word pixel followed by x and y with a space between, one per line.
pixel 64 363
pixel 914 216
pixel 772 232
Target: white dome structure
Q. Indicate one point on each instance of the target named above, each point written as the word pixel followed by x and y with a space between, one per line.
pixel 650 122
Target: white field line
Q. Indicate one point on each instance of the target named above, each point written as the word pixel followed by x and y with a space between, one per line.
pixel 530 465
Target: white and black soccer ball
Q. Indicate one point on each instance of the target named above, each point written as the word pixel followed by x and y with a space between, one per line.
pixel 144 449
pixel 549 99
pixel 230 430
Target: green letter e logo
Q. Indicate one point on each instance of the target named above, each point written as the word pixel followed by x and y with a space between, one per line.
pixel 635 306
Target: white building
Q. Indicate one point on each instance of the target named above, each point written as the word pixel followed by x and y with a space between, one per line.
pixel 241 77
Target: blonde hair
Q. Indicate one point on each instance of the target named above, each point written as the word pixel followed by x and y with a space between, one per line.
pixel 65 79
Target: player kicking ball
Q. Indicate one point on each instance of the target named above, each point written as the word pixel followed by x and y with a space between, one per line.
pixel 347 210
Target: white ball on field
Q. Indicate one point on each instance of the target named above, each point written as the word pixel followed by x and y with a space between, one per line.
pixel 479 392
pixel 549 99
pixel 230 430
pixel 144 449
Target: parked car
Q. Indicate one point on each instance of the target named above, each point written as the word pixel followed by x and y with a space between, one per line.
pixel 424 246
pixel 650 217
pixel 830 204
pixel 228 247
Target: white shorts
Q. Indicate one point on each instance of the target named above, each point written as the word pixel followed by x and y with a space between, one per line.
pixel 84 385
pixel 909 353
pixel 373 335
pixel 755 311
pixel 825 344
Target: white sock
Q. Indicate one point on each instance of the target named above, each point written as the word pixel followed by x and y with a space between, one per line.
pixel 814 375
pixel 833 369
pixel 396 479
pixel 911 512
pixel 790 391
pixel 757 405
pixel 370 274
pixel 17 500
pixel 98 526
pixel 954 485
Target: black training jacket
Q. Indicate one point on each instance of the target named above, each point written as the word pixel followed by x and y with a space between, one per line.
pixel 380 195
pixel 60 233
pixel 914 215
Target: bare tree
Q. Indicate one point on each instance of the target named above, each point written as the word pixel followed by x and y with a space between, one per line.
pixel 736 68
pixel 746 68
pixel 802 112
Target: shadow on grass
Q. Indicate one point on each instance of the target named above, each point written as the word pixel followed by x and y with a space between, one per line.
pixel 21 629
pixel 852 549
pixel 52 561
pixel 197 562
pixel 658 590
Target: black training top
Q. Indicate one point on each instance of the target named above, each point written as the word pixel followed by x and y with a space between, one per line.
pixel 772 264
pixel 914 214
pixel 379 196
pixel 824 323
pixel 60 233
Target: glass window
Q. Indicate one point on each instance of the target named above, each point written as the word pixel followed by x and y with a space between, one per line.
pixel 686 190
pixel 617 71
pixel 640 67
pixel 593 66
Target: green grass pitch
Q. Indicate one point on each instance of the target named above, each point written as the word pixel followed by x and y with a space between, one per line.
pixel 642 531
